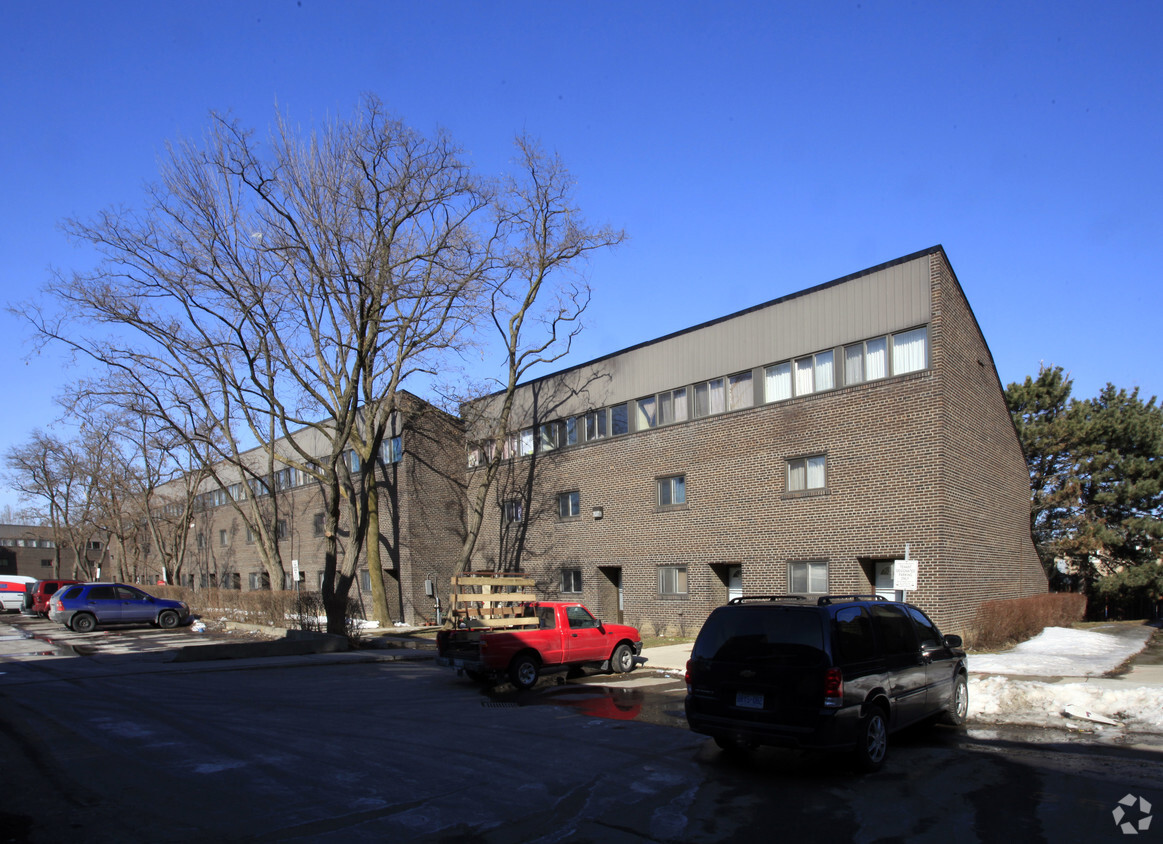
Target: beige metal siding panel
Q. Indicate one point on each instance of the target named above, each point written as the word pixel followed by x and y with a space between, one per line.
pixel 893 298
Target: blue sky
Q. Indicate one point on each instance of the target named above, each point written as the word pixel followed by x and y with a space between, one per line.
pixel 749 150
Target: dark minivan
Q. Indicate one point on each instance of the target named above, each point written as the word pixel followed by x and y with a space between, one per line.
pixel 832 673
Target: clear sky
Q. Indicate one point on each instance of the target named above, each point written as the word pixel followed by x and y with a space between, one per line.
pixel 749 150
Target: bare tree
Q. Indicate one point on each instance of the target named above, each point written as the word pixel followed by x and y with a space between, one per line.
pixel 536 312
pixel 265 293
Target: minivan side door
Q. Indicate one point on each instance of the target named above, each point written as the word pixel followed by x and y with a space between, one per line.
pixel 906 665
pixel 940 661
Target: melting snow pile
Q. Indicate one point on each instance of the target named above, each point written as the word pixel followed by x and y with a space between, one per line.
pixel 1059 652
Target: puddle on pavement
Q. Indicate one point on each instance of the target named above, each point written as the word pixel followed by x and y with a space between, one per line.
pixel 597 701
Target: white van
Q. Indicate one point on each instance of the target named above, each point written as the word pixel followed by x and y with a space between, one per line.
pixel 12 590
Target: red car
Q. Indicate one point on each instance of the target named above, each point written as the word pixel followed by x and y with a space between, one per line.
pixel 40 592
pixel 560 636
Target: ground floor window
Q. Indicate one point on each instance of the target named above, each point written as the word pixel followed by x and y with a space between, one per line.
pixel 571 580
pixel 807 577
pixel 568 504
pixel 672 581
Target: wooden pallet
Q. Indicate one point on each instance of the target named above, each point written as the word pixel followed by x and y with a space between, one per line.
pixel 495 599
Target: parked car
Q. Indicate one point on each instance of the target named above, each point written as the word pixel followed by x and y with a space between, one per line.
pixel 39 593
pixel 13 588
pixel 84 606
pixel 559 636
pixel 834 673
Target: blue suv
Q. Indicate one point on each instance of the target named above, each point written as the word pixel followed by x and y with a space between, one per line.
pixel 82 607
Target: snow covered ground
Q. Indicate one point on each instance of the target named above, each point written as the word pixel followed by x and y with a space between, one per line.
pixel 1001 691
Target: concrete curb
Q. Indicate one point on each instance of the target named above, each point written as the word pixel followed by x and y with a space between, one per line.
pixel 296 643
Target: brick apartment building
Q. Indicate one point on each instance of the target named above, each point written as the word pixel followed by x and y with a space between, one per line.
pixel 421 471
pixel 799 446
pixel 31 551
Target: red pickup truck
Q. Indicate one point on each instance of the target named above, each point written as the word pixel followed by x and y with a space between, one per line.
pixel 559 636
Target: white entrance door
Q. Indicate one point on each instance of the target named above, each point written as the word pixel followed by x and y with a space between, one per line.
pixel 734 582
pixel 884 582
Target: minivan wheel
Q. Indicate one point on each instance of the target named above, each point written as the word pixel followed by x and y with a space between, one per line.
pixel 872 740
pixel 84 623
pixel 958 710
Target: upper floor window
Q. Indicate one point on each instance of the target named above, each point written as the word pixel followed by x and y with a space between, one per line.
pixel 317 525
pixel 570 430
pixel 223 538
pixel 547 436
pixel 777 382
pixel 910 351
pixel 596 425
pixel 620 419
pixel 526 442
pixel 281 531
pixel 867 361
pixel 662 409
pixel 672 491
pixel 710 397
pixel 814 373
pixel 806 473
pixel 647 413
pixel 740 392
pixel 393 449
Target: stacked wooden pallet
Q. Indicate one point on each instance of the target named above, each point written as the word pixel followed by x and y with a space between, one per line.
pixel 494 599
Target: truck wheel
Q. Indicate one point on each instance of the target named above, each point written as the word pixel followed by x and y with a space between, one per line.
pixel 622 662
pixel 523 671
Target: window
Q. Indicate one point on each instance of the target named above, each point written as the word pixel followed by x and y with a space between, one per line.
pixel 474 457
pixel 46 564
pixel 777 382
pixel 351 458
pixel 620 419
pixel 95 545
pixel 814 373
pixel 672 491
pixel 909 351
pixel 571 580
pixel 867 361
pixel 647 413
pixel 281 531
pixel 596 425
pixel 393 449
pixel 514 511
pixel 200 541
pixel 365 580
pixel 547 436
pixel 672 581
pixel 526 444
pixel 571 431
pixel 259 580
pixel 709 397
pixel 568 504
pixel 249 536
pixel 672 406
pixel 740 391
pixel 809 577
pixel 579 618
pixel 511 447
pixel 317 525
pixel 805 473
pixel 223 538
pixel 663 409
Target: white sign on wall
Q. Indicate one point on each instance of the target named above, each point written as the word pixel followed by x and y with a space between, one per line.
pixel 904 575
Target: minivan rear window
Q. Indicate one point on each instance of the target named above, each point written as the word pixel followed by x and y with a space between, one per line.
pixel 769 633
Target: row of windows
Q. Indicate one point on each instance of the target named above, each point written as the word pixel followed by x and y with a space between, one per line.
pixel 286 478
pixel 867 360
pixel 28 543
pixel 810 577
pixel 803 474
